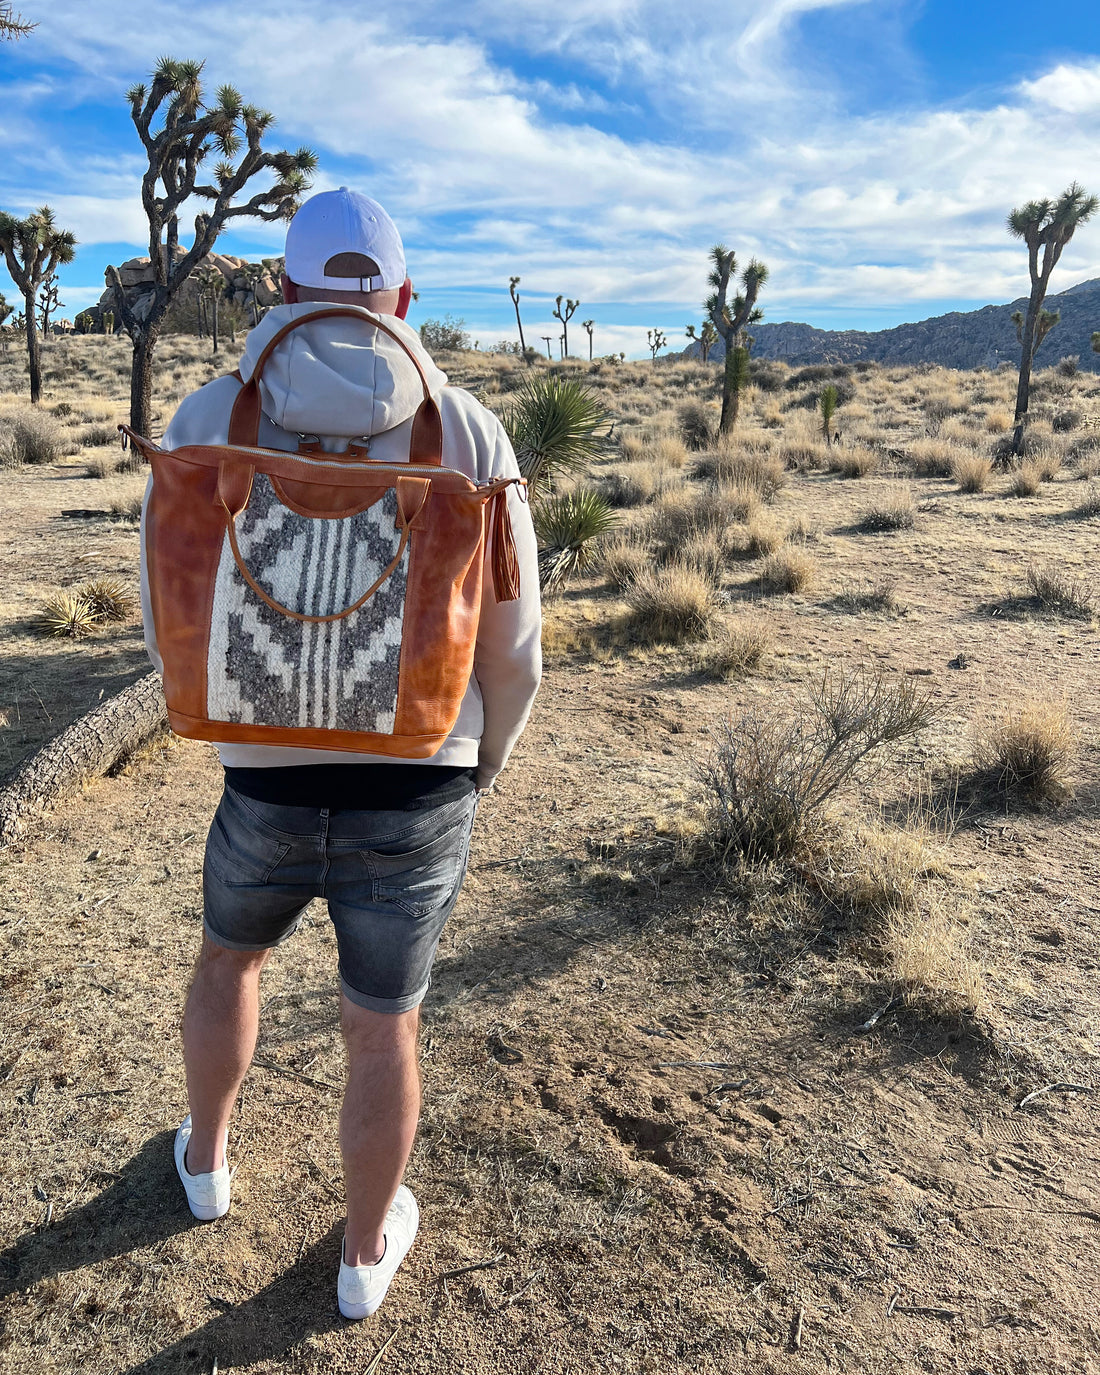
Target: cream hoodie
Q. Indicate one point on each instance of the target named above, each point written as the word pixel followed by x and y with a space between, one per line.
pixel 338 379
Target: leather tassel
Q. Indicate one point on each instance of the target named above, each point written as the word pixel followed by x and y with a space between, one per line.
pixel 505 560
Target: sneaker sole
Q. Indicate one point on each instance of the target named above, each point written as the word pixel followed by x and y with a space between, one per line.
pixel 207 1212
pixel 355 1312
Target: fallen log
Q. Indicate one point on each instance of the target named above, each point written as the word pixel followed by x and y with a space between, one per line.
pixel 91 746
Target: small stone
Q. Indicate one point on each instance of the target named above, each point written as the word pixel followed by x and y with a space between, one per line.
pixel 959 661
pixel 96 854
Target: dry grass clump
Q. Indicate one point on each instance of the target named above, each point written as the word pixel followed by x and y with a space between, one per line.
pixel 34 437
pixel 622 559
pixel 680 515
pixel 895 510
pixel 877 595
pixel 747 467
pixel 926 953
pixel 998 421
pixel 110 598
pixel 1026 479
pixel 772 774
pixel 632 446
pixel 1090 505
pixel 668 450
pixel 931 457
pixel 1060 592
pixel 789 570
pixel 763 535
pixel 858 462
pixel 634 486
pixel 98 436
pixel 1028 752
pixel 737 649
pixel 803 455
pixel 971 471
pixel 127 507
pixel 672 604
pixel 706 552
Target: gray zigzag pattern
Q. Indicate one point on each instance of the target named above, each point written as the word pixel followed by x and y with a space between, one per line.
pixel 267 669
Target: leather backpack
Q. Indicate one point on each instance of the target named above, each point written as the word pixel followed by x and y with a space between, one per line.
pixel 320 600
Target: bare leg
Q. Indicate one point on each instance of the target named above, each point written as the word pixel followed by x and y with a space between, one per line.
pixel 377 1121
pixel 220 1024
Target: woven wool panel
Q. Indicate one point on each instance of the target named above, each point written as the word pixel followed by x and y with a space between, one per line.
pixel 266 669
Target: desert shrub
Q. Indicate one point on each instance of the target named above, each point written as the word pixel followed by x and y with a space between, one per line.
pixel 567 527
pixel 96 436
pixel 878 595
pixel 127 507
pixel 130 462
pixel 737 649
pixel 802 454
pixel 633 486
pixel 857 462
pixel 1068 418
pixel 696 426
pixel 102 467
pixel 925 948
pixel 1028 751
pixel 622 559
pixel 706 553
pixel 767 375
pixel 930 457
pixel 671 604
pixel 1057 590
pixel 1048 464
pixel 1090 505
pixel 66 613
pixel 444 336
pixel 632 446
pixel 816 373
pixel 35 437
pixel 763 535
pixel 680 515
pixel 746 467
pixel 1069 366
pixel 895 510
pixel 788 570
pixel 972 471
pixel 109 598
pixel 62 409
pixel 1026 479
pixel 772 774
pixel 998 421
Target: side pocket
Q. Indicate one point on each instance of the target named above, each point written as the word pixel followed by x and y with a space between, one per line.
pixel 237 856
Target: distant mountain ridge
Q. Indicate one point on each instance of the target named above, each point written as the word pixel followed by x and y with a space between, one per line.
pixel 962 339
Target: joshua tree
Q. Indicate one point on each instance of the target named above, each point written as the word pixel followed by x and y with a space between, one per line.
pixel 48 302
pixel 108 322
pixel 12 25
pixel 5 309
pixel 253 274
pixel 547 339
pixel 189 131
pixel 513 282
pixel 656 340
pixel 729 320
pixel 1046 322
pixel 1047 226
pixel 589 326
pixel 829 400
pixel 706 338
pixel 565 314
pixel 1095 340
pixel 33 249
pixel 211 285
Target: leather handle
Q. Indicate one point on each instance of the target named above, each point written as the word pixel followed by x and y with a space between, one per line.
pixel 427 433
pixel 235 487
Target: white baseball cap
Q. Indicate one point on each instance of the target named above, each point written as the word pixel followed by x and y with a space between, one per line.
pixel 343 221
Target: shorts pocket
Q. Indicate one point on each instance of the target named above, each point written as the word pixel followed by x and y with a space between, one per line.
pixel 421 879
pixel 238 856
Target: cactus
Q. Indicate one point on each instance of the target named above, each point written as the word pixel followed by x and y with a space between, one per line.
pixel 828 402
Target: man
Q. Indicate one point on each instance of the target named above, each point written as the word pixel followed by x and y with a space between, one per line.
pixel 385 843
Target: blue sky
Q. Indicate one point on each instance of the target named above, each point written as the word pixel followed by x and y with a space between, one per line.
pixel 867 150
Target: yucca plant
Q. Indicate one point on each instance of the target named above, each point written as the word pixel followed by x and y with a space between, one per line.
pixel 555 425
pixel 67 613
pixel 109 598
pixel 567 527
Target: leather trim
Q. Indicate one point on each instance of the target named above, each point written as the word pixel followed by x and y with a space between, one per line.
pixel 306 737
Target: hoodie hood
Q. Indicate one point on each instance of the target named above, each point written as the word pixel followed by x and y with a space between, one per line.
pixel 338 376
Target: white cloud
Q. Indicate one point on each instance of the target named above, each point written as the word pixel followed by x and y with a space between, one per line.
pixel 1071 88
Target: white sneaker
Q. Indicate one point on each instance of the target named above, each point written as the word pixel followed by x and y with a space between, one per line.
pixel 207 1194
pixel 361 1288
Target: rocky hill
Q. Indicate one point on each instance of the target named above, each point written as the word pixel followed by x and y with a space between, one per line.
pixel 137 278
pixel 970 339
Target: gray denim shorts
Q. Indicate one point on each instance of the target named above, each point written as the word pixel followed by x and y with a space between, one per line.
pixel 390 879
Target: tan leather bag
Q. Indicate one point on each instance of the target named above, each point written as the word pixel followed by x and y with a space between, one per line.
pixel 314 599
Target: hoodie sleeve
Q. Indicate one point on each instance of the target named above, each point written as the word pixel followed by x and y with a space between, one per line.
pixel 508 656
